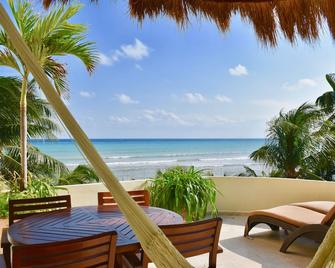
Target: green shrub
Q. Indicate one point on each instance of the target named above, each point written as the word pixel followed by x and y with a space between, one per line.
pixel 38 187
pixel 185 191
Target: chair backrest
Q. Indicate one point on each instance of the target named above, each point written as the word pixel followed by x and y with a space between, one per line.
pixel 94 251
pixel 141 197
pixel 330 216
pixel 22 208
pixel 193 239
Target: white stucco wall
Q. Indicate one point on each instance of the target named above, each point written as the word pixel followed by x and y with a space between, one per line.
pixel 239 194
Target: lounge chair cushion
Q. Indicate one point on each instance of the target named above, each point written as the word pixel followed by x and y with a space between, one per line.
pixel 318 206
pixel 297 216
pixel 330 216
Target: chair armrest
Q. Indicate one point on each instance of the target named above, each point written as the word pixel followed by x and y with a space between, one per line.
pixel 4 237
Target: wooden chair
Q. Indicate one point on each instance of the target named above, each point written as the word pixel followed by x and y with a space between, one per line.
pixel 191 239
pixel 95 251
pixel 141 197
pixel 21 208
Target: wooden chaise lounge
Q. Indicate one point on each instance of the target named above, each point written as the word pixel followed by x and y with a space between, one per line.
pixel 310 219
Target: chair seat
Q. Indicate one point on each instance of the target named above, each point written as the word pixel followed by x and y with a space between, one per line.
pixel 295 215
pixel 319 206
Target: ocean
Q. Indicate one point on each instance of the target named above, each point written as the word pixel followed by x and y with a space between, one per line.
pixel 141 158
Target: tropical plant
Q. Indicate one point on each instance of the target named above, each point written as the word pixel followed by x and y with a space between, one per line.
pixel 327 100
pixel 40 125
pixel 39 187
pixel 248 172
pixel 47 36
pixel 185 191
pixel 295 142
pixel 82 174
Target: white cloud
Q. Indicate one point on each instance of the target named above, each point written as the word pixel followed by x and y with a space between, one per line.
pixel 104 59
pixel 136 51
pixel 212 120
pixel 86 94
pixel 300 84
pixel 238 70
pixel 119 119
pixel 195 98
pixel 222 98
pixel 163 115
pixel 125 99
pixel 138 67
pixel 109 60
pixel 190 120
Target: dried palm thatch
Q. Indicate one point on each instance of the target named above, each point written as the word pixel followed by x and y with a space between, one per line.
pixel 292 18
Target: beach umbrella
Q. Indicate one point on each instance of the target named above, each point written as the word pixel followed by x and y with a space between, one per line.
pixel 270 19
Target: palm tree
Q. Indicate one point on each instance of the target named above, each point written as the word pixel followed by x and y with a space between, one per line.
pixel 327 100
pixel 39 125
pixel 296 139
pixel 82 174
pixel 47 36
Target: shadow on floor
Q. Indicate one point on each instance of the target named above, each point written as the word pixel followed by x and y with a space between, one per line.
pixel 263 248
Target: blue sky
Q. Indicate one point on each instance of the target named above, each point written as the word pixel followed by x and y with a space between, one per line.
pixel 158 81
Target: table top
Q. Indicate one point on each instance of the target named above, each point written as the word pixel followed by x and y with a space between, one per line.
pixel 80 222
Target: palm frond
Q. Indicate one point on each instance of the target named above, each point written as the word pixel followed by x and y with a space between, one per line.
pixel 57 72
pixel 82 174
pixel 39 164
pixel 61 37
pixel 8 59
pixel 39 113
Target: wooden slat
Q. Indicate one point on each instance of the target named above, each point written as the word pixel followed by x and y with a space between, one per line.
pixel 66 198
pixel 84 252
pixel 141 197
pixel 40 207
pixel 21 208
pixel 191 239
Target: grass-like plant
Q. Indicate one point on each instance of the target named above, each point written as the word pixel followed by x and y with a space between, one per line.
pixel 185 191
pixel 38 187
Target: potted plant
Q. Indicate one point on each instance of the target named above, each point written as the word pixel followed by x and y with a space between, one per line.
pixel 185 191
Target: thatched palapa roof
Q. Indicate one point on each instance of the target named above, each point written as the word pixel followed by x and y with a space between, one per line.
pixel 294 18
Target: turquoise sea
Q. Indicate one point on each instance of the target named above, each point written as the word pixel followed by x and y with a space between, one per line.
pixel 141 158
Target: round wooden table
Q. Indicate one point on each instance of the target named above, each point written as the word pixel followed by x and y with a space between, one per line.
pixel 82 222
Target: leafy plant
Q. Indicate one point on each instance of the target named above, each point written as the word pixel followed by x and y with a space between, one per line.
pixel 39 187
pixel 80 175
pixel 185 191
pixel 327 100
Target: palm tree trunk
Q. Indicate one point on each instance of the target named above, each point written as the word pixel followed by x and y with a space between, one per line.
pixel 23 134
